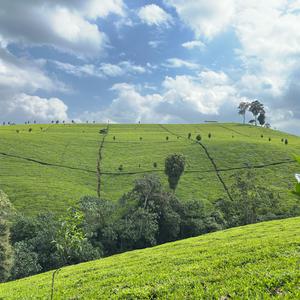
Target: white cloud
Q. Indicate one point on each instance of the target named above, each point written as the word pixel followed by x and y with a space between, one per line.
pixel 22 107
pixel 183 99
pixel 65 25
pixel 205 18
pixel 152 14
pixel 19 78
pixel 103 70
pixel 180 63
pixel 194 44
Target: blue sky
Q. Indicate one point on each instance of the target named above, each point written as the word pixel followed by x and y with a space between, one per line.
pixel 163 61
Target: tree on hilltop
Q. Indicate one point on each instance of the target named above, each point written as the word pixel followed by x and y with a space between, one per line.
pixel 256 108
pixel 243 107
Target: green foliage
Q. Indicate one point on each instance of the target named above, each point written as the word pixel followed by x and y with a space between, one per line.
pixel 259 261
pixel 71 243
pixel 174 167
pixel 25 261
pixel 251 203
pixel 5 246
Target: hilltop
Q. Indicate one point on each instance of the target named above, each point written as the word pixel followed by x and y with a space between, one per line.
pixel 50 167
pixel 252 262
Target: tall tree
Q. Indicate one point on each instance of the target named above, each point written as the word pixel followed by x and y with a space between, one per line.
pixel 243 107
pixel 262 119
pixel 256 108
pixel 5 246
pixel 174 167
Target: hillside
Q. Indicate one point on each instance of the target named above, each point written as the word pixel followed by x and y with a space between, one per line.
pixel 259 261
pixel 52 166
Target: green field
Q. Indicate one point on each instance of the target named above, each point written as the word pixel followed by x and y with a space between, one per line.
pixel 260 261
pixel 51 168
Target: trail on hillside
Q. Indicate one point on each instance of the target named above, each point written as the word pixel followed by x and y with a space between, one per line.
pixel 210 159
pixel 98 168
pixel 233 130
pixel 45 163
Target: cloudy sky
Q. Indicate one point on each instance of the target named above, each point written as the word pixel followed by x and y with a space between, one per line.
pixel 166 61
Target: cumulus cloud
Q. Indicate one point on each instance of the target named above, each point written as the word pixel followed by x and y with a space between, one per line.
pixel 183 99
pixel 152 14
pixel 206 18
pixel 65 25
pixel 22 107
pixel 18 79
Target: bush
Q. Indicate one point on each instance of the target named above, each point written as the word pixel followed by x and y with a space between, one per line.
pixel 209 135
pixel 121 168
pixel 270 139
pixel 30 129
pixel 25 261
pixel 189 136
pixel 286 142
pixel 198 138
pixel 167 138
pixel 155 164
pixel 17 131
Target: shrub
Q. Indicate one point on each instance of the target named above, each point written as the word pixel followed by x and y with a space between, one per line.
pixel 121 168
pixel 17 131
pixel 189 136
pixel 167 138
pixel 262 136
pixel 114 138
pixel 141 138
pixel 270 139
pixel 30 129
pixel 198 138
pixel 282 140
pixel 286 141
pixel 155 164
pixel 209 135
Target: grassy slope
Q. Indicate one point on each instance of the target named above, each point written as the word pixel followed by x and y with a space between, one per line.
pixel 33 187
pixel 253 262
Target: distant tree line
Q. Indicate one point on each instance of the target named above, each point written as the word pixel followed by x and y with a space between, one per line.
pixel 148 215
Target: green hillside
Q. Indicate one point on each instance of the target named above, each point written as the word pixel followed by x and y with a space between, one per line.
pixel 259 261
pixel 52 166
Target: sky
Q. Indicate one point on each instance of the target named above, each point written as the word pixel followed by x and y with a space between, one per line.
pixel 160 61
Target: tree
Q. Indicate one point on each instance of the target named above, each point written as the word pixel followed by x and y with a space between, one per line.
pixel 262 119
pixel 256 108
pixel 174 167
pixel 5 246
pixel 243 107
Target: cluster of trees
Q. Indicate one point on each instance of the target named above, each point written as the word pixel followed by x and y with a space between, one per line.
pixel 146 216
pixel 257 109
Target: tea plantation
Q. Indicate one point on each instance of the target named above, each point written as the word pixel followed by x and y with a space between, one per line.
pixel 50 167
pixel 260 261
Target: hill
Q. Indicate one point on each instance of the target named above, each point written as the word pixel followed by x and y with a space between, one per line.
pixel 51 166
pixel 259 261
